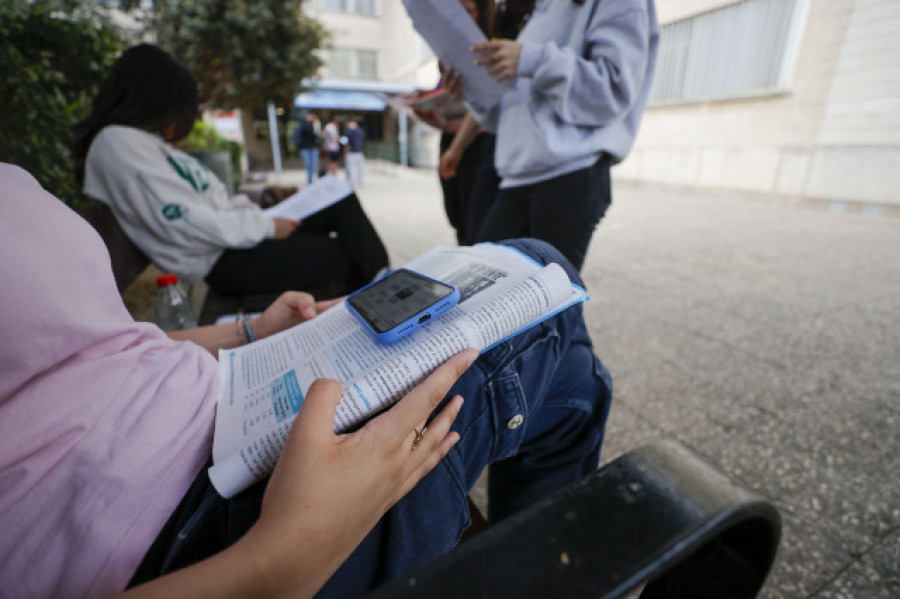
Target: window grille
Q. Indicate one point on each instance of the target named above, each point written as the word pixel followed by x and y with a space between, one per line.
pixel 367 64
pixel 351 63
pixel 744 49
pixel 357 7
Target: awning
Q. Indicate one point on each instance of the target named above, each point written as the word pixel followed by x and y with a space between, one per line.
pixel 340 100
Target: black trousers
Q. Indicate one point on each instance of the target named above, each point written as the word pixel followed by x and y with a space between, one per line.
pixel 457 190
pixel 332 253
pixel 484 191
pixel 563 211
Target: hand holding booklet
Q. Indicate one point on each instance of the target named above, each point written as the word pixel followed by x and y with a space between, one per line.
pixel 503 292
pixel 439 101
pixel 436 101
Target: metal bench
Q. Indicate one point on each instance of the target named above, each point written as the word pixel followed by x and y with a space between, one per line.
pixel 658 521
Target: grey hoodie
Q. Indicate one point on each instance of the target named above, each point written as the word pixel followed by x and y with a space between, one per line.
pixel 583 80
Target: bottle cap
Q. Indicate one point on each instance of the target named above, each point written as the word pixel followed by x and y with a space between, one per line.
pixel 164 280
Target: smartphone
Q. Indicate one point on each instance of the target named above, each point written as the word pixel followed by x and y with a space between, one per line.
pixel 400 303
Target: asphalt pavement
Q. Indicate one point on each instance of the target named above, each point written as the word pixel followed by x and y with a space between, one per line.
pixel 761 333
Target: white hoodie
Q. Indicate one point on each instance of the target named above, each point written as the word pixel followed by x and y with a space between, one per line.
pixel 170 205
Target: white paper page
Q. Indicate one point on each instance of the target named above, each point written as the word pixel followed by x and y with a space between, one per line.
pixel 316 196
pixel 451 32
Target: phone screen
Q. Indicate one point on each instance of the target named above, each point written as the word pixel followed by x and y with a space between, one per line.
pixel 396 298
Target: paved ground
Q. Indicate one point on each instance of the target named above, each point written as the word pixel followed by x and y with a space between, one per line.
pixel 763 335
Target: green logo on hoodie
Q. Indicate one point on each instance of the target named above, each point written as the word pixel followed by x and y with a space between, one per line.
pixel 192 171
pixel 172 211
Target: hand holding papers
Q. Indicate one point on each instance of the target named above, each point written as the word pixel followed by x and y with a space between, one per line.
pixel 451 33
pixel 315 197
pixel 429 106
pixel 440 102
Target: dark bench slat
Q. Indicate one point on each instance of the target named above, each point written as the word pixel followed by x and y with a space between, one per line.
pixel 128 262
pixel 659 516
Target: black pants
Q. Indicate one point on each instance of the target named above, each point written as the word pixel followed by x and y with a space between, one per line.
pixel 484 191
pixel 332 253
pixel 563 211
pixel 457 190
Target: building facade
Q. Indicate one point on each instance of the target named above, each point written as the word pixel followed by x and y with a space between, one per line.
pixel 371 41
pixel 373 52
pixel 791 98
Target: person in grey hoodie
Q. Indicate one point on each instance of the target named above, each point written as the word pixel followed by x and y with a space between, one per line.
pixel 583 70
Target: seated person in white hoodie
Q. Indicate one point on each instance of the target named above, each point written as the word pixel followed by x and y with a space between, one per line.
pixel 179 214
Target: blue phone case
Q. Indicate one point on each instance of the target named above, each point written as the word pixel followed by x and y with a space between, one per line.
pixel 411 324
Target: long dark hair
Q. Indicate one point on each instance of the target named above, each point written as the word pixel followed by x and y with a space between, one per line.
pixel 486 10
pixel 146 88
pixel 512 15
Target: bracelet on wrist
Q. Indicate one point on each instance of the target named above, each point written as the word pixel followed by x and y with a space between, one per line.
pixel 249 330
pixel 244 330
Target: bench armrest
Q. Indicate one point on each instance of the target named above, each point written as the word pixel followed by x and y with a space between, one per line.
pixel 659 517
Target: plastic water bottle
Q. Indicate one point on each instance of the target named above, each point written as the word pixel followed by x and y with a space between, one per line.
pixel 173 310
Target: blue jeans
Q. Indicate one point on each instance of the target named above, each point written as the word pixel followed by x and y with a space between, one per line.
pixel 535 412
pixel 311 162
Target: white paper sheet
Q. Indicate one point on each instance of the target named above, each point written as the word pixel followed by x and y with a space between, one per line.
pixel 451 32
pixel 318 195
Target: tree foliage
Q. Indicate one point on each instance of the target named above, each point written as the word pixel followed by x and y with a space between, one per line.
pixel 243 53
pixel 53 57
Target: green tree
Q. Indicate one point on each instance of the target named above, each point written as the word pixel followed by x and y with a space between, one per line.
pixel 53 57
pixel 243 53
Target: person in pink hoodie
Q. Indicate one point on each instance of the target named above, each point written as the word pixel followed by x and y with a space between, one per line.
pixel 106 429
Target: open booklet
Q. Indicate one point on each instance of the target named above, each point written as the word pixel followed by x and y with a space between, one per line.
pixel 502 292
pixel 434 101
pixel 438 101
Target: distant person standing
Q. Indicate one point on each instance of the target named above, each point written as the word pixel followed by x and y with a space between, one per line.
pixel 582 71
pixel 306 140
pixel 355 160
pixel 332 143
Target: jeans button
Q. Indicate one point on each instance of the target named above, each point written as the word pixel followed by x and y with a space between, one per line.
pixel 515 422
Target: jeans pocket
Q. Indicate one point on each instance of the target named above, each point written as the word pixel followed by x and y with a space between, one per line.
pixel 510 413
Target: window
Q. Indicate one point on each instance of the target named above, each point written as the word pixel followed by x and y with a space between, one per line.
pixel 357 7
pixel 352 63
pixel 747 48
pixel 367 64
